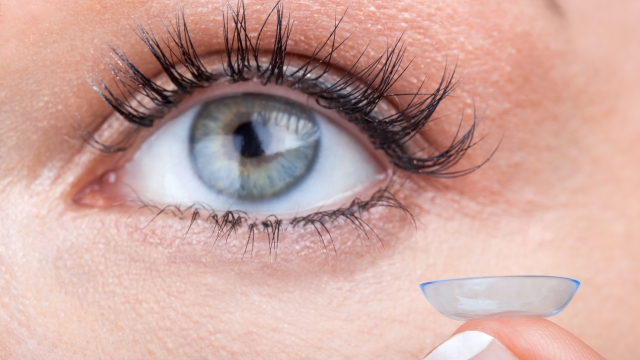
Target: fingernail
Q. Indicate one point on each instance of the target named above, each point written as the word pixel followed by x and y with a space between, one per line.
pixel 474 345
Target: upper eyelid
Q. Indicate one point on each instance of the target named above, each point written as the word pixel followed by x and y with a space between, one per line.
pixel 355 95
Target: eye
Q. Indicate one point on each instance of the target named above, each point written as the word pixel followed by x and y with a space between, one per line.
pixel 278 133
pixel 251 152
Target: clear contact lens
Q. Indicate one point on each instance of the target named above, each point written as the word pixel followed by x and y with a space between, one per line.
pixel 500 296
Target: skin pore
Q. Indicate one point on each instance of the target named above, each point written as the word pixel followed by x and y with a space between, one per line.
pixel 556 85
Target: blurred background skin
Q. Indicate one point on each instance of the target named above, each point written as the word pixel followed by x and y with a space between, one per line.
pixel 558 79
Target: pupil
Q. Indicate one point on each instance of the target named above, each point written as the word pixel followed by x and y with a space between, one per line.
pixel 248 139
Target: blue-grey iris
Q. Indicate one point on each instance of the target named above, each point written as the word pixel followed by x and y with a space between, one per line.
pixel 254 146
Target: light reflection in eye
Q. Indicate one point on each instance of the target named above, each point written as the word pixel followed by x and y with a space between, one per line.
pixel 256 153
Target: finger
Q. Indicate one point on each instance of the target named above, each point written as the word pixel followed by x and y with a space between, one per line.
pixel 513 338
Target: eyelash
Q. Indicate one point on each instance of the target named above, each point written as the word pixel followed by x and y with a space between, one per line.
pixel 355 95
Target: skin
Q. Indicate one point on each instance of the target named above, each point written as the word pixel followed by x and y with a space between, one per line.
pixel 544 339
pixel 556 84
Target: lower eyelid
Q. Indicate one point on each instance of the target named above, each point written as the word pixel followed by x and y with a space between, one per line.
pixel 321 240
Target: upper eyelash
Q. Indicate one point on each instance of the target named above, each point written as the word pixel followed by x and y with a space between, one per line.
pixel 355 95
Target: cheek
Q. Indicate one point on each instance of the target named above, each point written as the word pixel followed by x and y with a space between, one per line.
pixel 143 294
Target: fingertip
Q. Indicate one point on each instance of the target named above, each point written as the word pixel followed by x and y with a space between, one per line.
pixel 533 338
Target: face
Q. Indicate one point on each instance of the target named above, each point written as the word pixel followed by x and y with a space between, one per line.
pixel 185 220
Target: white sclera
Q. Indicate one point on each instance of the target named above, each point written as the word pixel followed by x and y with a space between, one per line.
pixel 500 296
pixel 161 172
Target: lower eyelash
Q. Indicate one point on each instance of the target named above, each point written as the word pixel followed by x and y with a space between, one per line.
pixel 224 224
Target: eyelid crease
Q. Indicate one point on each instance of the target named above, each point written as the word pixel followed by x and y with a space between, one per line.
pixel 357 94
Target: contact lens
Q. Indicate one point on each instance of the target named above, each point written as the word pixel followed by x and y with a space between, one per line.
pixel 500 296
